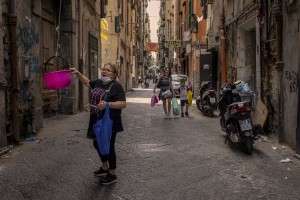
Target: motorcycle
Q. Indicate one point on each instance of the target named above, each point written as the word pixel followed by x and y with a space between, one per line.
pixel 207 100
pixel 236 120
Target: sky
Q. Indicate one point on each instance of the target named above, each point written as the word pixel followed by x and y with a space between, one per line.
pixel 153 10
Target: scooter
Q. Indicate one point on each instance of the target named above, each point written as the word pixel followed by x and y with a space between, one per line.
pixel 235 119
pixel 207 100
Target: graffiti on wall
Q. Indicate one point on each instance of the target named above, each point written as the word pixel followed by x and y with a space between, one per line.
pixel 292 81
pixel 35 68
pixel 27 38
pixel 32 68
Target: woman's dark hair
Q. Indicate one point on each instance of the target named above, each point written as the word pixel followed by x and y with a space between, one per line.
pixel 170 72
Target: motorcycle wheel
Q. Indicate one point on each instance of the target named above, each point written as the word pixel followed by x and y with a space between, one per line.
pixel 248 146
pixel 201 107
pixel 198 103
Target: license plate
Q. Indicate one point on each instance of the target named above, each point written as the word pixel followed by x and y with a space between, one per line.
pixel 245 124
pixel 212 100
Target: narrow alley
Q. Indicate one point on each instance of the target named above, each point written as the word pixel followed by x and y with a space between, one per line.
pixel 157 158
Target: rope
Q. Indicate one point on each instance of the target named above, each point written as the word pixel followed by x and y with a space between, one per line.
pixel 58 30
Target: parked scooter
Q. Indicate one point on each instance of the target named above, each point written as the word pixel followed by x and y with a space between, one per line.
pixel 235 118
pixel 207 100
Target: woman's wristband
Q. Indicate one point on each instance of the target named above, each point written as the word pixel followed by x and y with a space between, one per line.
pixel 110 104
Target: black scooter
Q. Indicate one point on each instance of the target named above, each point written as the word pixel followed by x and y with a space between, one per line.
pixel 207 100
pixel 235 119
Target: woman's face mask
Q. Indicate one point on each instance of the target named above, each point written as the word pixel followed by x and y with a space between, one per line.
pixel 105 79
pixel 107 75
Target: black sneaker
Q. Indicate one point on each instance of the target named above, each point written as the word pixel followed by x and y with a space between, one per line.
pixel 186 114
pixel 100 172
pixel 109 179
pixel 182 115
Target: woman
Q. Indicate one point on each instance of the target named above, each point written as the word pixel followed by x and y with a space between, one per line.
pixel 105 90
pixel 165 83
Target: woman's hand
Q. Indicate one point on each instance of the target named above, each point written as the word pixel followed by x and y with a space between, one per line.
pixel 74 70
pixel 81 77
pixel 101 105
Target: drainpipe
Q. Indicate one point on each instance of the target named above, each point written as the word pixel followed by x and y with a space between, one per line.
pixel 298 119
pixel 80 54
pixel 279 65
pixel 298 123
pixel 12 23
pixel 3 84
pixel 223 44
pixel 258 54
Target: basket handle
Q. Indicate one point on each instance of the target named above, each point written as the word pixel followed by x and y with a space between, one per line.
pixel 54 57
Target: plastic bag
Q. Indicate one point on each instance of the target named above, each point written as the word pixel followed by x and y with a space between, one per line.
pixel 175 106
pixel 190 98
pixel 103 131
pixel 154 100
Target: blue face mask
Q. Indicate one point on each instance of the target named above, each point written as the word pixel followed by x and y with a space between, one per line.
pixel 105 79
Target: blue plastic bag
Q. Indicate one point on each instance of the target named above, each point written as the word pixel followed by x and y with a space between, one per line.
pixel 103 131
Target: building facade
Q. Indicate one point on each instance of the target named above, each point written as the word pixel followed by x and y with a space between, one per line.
pixel 261 47
pixel 39 36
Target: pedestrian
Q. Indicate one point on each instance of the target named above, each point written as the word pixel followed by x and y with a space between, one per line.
pixel 155 78
pixel 106 90
pixel 146 82
pixel 140 82
pixel 183 92
pixel 165 83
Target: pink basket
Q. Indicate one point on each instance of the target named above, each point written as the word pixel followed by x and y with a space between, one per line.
pixel 57 79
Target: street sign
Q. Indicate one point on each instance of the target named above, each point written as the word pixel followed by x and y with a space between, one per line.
pixel 172 43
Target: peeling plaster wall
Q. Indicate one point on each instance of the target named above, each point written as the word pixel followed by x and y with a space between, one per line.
pixel 241 52
pixel 290 76
pixel 245 62
pixel 269 73
pixel 240 41
pixel 237 13
pixel 28 45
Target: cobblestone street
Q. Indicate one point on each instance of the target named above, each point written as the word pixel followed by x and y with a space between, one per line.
pixel 178 158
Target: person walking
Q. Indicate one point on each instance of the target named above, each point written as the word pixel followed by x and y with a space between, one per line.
pixel 165 83
pixel 106 90
pixel 140 82
pixel 183 92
